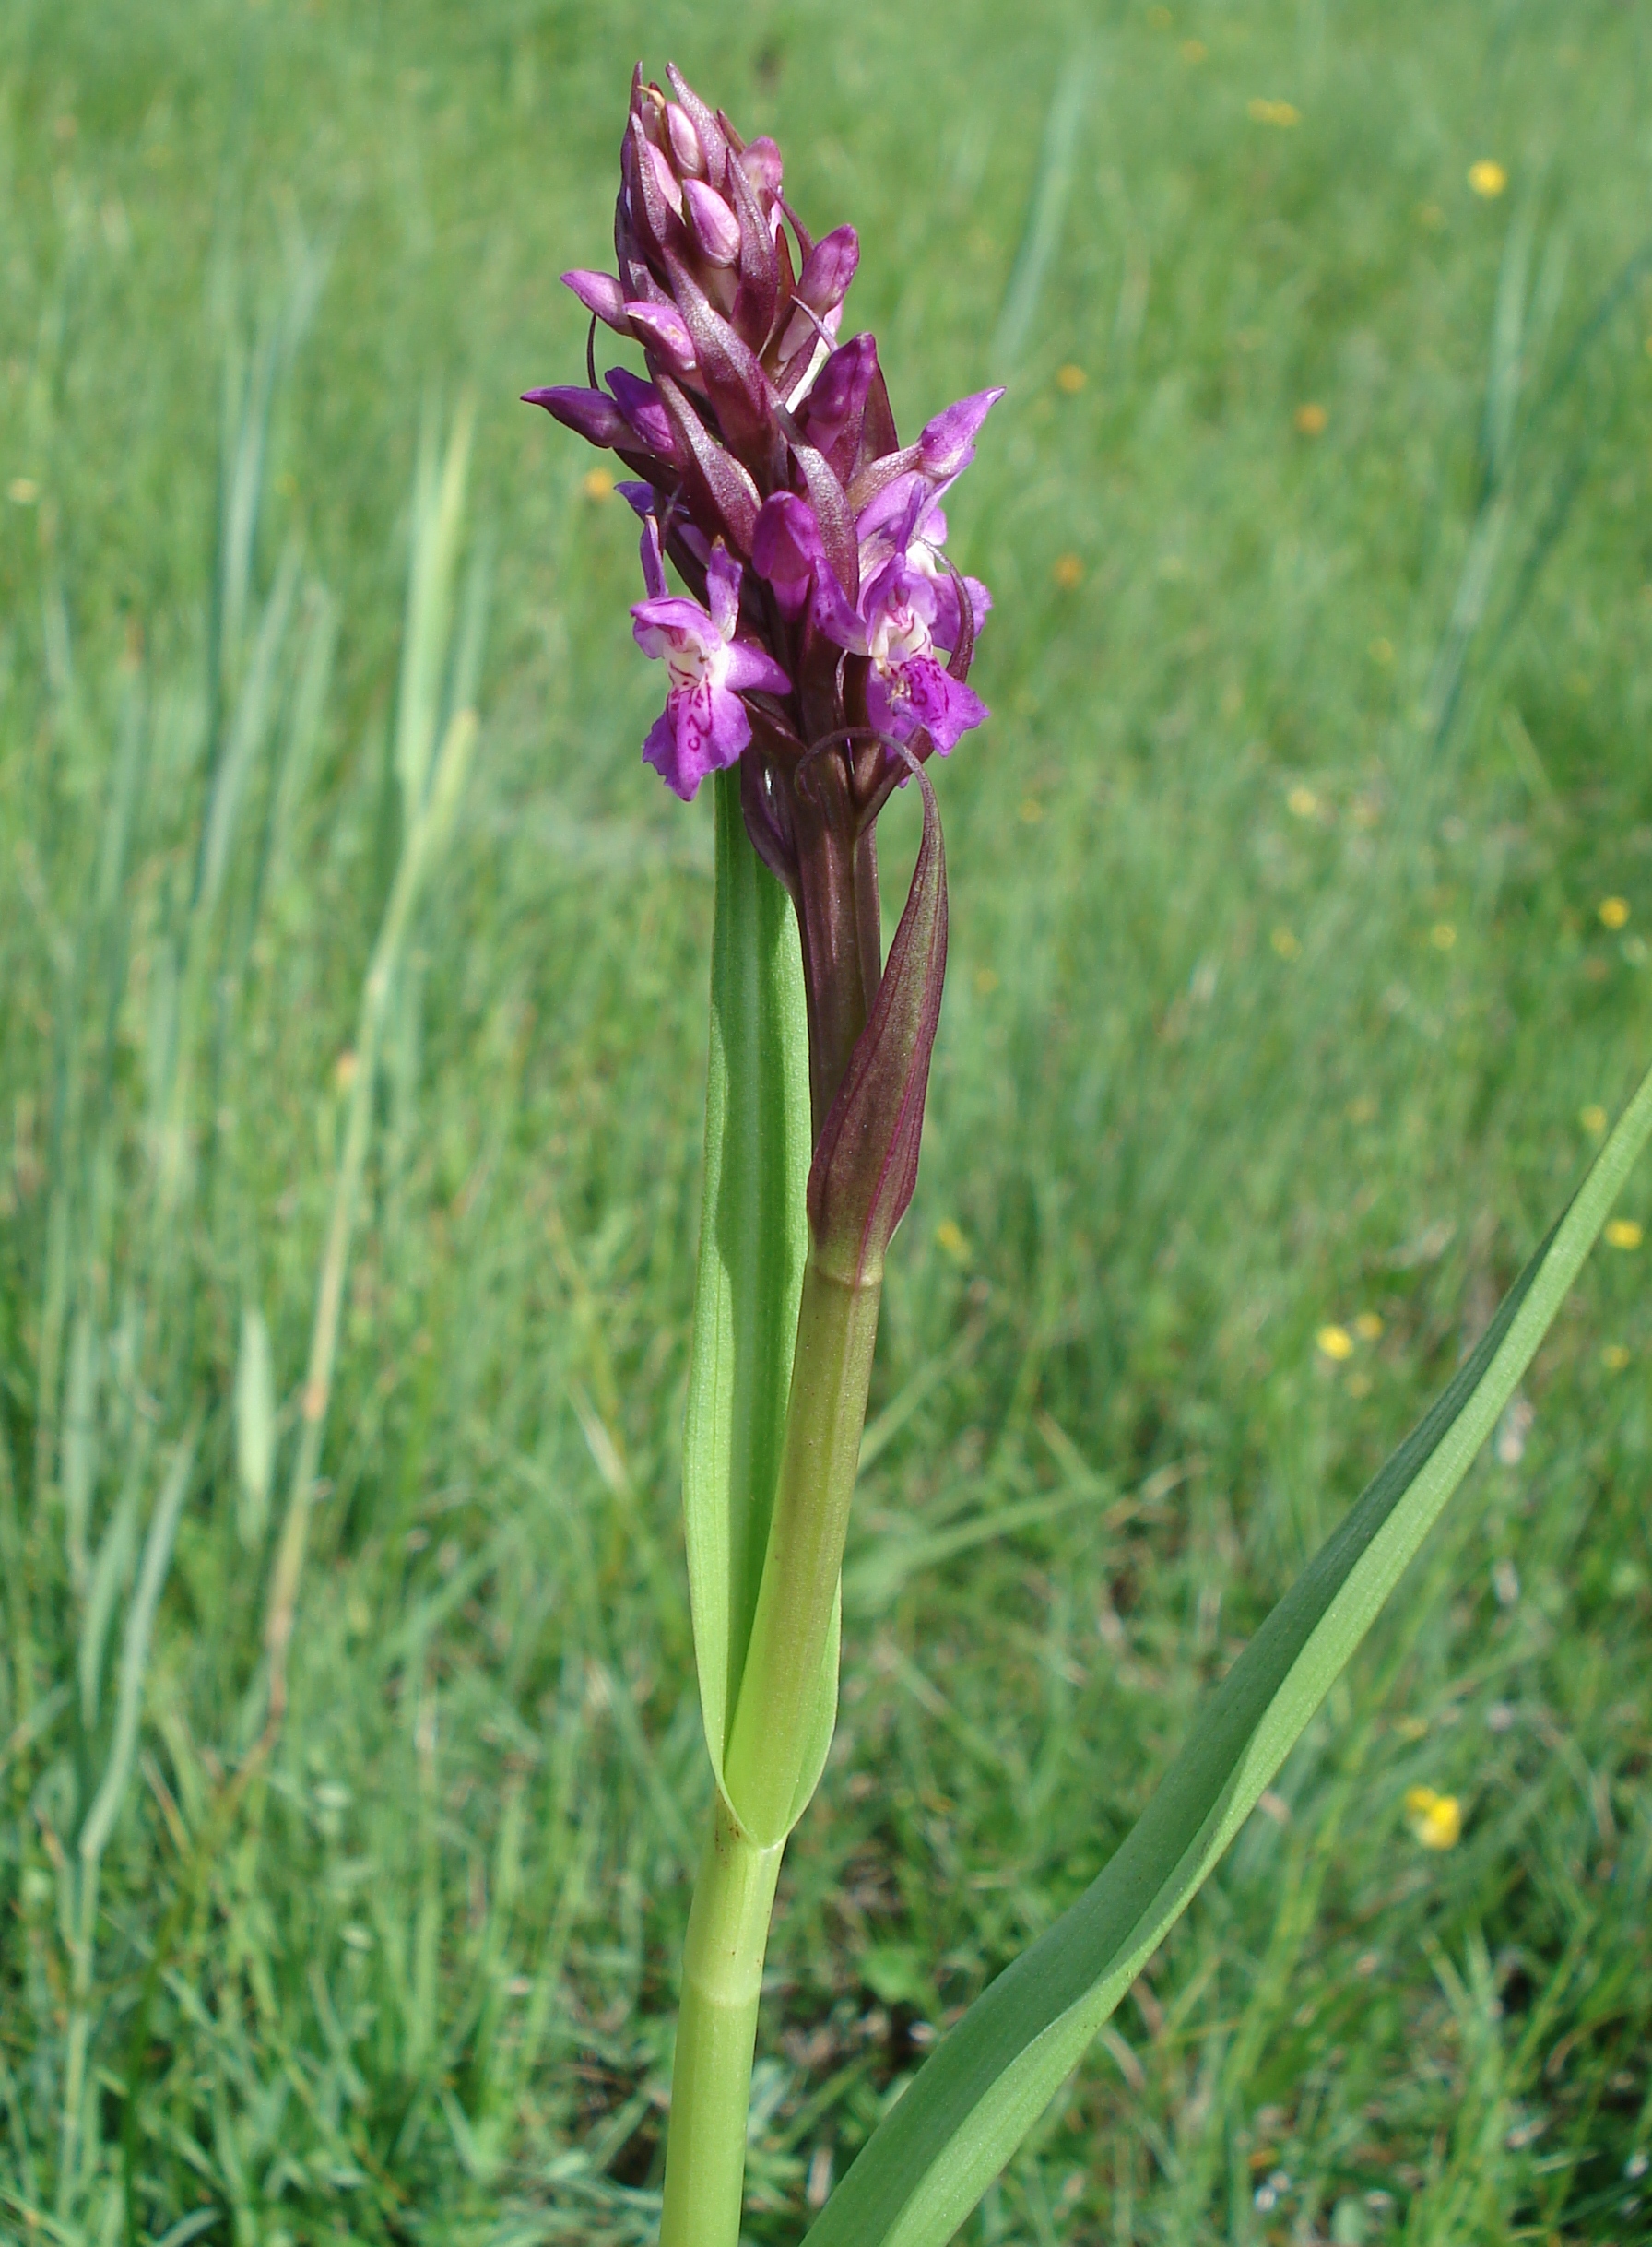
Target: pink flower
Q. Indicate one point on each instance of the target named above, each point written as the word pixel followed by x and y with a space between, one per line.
pixel 908 618
pixel 909 686
pixel 703 725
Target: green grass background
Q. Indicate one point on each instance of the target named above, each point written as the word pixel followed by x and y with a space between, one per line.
pixel 1278 993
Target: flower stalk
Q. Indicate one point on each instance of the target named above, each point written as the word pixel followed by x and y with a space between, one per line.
pixel 817 658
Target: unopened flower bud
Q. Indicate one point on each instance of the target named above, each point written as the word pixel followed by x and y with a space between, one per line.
pixel 716 228
pixel 686 151
pixel 760 159
pixel 663 329
pixel 641 406
pixel 599 293
pixel 586 413
pixel 828 269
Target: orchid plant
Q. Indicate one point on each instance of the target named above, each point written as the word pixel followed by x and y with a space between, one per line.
pixel 820 655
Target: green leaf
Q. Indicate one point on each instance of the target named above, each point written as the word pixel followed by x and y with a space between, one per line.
pixel 930 2160
pixel 753 1241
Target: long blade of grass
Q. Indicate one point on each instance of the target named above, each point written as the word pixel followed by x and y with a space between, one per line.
pixel 938 2148
pixel 1050 195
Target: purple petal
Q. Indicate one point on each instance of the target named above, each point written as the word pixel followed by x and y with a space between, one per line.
pixel 754 666
pixel 653 566
pixel 947 444
pixel 898 585
pixel 701 729
pixel 722 575
pixel 586 413
pixel 926 697
pixel 887 512
pixel 660 751
pixel 946 625
pixel 787 548
pixel 680 619
pixel 663 328
pixel 641 405
pixel 778 558
pixel 599 293
pixel 716 228
pixel 639 498
pixel 831 415
pixel 828 269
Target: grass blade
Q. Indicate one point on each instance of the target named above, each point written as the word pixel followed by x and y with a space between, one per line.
pixel 1050 195
pixel 255 1427
pixel 928 2162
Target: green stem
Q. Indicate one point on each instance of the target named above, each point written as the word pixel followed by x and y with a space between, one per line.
pixel 717 2031
pixel 837 1327
pixel 775 1719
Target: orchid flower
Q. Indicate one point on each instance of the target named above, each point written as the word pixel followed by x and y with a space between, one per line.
pixel 908 616
pixel 703 727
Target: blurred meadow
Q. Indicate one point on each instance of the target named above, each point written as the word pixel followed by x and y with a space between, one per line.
pixel 351 1100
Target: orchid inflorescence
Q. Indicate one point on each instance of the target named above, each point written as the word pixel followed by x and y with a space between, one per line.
pixel 826 638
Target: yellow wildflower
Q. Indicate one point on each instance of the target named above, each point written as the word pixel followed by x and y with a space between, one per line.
pixel 1071 379
pixel 1302 803
pixel 1442 936
pixel 1069 572
pixel 1623 1233
pixel 1285 943
pixel 1436 1820
pixel 1488 178
pixel 1311 419
pixel 1335 1342
pixel 1593 1119
pixel 1368 1326
pixel 1615 1357
pixel 596 484
pixel 1274 112
pixel 1614 912
pixel 949 1236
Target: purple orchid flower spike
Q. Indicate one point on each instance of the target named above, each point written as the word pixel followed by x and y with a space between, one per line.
pixel 767 467
pixel 704 725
